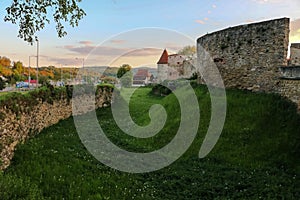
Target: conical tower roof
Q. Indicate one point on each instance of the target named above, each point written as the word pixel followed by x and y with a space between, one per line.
pixel 164 58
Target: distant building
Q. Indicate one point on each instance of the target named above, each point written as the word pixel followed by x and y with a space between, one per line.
pixel 31 83
pixel 175 66
pixel 142 77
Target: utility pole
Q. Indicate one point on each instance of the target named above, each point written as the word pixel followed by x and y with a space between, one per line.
pixel 82 66
pixel 61 75
pixel 29 78
pixel 37 63
pixel 29 72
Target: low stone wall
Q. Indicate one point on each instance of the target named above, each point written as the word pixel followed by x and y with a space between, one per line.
pixel 16 127
pixel 290 89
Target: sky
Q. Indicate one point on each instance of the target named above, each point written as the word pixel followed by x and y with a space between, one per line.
pixel 115 32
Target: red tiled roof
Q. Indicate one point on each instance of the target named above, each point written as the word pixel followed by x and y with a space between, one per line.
pixel 31 81
pixel 164 58
pixel 142 72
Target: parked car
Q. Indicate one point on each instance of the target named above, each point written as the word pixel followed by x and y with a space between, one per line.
pixel 22 84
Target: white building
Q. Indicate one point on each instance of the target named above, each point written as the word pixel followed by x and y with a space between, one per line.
pixel 175 66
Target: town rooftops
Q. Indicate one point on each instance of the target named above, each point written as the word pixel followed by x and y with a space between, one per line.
pixel 142 72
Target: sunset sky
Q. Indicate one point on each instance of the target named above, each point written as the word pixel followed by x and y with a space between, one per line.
pixel 135 32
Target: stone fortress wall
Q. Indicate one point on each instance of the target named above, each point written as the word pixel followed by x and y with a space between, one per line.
pixel 15 127
pixel 251 57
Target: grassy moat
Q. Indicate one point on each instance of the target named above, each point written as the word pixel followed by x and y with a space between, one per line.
pixel 256 157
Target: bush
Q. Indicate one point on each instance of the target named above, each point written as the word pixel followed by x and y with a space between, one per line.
pixel 2 84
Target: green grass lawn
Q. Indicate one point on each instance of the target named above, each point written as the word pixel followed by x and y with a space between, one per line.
pixel 3 93
pixel 257 156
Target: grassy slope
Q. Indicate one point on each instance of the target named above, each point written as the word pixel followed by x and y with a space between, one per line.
pixel 255 157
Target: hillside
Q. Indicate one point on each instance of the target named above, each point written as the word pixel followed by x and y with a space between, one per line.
pixel 256 157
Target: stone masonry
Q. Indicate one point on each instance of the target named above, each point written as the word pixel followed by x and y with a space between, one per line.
pixel 250 56
pixel 16 128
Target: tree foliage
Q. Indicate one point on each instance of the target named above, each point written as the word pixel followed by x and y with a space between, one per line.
pixel 187 50
pixel 125 75
pixel 32 16
pixel 5 71
pixel 4 61
pixel 2 84
pixel 18 67
pixel 123 69
pixel 15 71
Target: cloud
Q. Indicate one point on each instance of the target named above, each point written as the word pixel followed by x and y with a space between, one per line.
pixel 105 55
pixel 144 52
pixel 86 43
pixel 81 49
pixel 261 1
pixel 139 57
pixel 209 12
pixel 110 51
pixel 295 31
pixel 65 61
pixel 68 47
pixel 199 21
pixel 295 27
pixel 268 1
pixel 117 41
pixel 214 6
pixel 173 47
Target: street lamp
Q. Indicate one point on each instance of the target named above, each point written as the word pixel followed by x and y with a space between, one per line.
pixel 61 80
pixel 37 63
pixel 29 79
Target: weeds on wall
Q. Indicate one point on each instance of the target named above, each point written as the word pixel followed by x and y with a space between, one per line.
pixel 24 102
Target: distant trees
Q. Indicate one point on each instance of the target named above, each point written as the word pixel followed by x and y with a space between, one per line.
pixel 187 50
pixel 123 69
pixel 5 71
pixel 44 81
pixel 5 62
pixel 18 68
pixel 125 75
pixel 6 68
pixel 32 16
pixel 15 71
